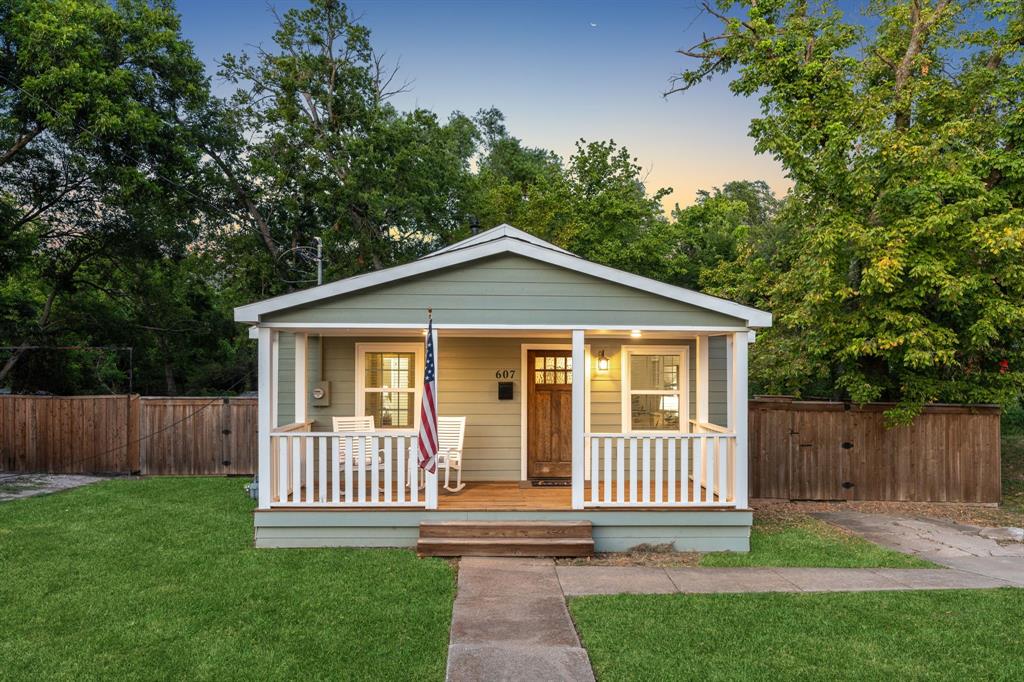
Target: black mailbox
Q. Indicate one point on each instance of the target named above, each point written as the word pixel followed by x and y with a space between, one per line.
pixel 504 390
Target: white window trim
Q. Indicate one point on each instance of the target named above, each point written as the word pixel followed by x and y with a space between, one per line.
pixel 360 380
pixel 684 385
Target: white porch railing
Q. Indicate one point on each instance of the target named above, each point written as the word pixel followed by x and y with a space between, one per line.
pixel 668 470
pixel 349 469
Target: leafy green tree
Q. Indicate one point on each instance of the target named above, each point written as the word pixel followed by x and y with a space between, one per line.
pixel 709 232
pixel 96 166
pixel 330 157
pixel 903 278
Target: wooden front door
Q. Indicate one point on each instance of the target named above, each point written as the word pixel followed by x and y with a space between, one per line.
pixel 549 414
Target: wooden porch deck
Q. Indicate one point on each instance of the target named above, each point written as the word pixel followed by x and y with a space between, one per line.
pixel 510 496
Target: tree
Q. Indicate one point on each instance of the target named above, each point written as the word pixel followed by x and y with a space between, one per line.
pixel 904 275
pixel 708 232
pixel 95 166
pixel 330 156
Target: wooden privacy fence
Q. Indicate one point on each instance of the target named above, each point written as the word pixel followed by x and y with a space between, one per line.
pixel 122 434
pixel 798 449
pixel 80 434
pixel 810 450
pixel 198 436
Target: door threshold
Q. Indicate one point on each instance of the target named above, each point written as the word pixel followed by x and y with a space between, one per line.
pixel 551 482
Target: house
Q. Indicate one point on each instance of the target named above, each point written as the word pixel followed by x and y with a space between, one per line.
pixel 592 398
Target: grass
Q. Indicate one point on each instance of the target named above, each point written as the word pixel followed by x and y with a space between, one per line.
pixel 851 636
pixel 796 539
pixel 157 579
pixel 1013 459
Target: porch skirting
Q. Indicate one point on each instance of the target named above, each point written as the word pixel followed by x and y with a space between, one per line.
pixel 614 530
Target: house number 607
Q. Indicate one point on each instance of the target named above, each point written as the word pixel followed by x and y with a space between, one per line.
pixel 505 374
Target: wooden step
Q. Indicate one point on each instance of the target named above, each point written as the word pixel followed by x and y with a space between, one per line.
pixel 512 547
pixel 505 538
pixel 505 529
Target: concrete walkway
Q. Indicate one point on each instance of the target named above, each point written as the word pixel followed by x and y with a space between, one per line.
pixel 960 547
pixel 510 622
pixel 585 580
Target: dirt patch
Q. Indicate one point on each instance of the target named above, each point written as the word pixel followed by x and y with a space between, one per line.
pixel 771 511
pixel 658 556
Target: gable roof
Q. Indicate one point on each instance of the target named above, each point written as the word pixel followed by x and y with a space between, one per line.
pixel 500 240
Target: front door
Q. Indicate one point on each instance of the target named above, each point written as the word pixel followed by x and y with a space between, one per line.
pixel 549 414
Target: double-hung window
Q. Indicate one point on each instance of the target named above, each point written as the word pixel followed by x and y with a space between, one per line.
pixel 388 378
pixel 654 388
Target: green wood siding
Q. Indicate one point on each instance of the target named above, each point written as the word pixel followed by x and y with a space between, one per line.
pixel 718 377
pixel 506 289
pixel 285 378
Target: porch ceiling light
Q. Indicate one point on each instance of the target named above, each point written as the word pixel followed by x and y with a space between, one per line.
pixel 602 362
pixel 635 333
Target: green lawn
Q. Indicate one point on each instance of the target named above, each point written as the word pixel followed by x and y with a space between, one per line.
pixel 157 579
pixel 958 635
pixel 800 540
pixel 1013 459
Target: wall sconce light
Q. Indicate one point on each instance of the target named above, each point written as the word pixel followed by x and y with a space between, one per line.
pixel 635 333
pixel 602 362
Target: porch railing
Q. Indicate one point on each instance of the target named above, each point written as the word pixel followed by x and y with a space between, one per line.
pixel 670 470
pixel 349 469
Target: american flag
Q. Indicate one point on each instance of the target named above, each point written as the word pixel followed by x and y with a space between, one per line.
pixel 428 410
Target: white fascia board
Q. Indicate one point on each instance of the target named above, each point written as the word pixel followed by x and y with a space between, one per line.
pixel 753 317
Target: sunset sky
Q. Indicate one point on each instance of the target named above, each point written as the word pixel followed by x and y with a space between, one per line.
pixel 558 70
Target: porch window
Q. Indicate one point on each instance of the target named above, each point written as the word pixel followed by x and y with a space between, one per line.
pixel 387 384
pixel 654 386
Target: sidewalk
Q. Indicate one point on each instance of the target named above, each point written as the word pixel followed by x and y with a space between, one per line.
pixel 963 548
pixel 585 580
pixel 510 621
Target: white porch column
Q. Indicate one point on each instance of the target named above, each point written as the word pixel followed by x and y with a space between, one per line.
pixel 702 399
pixel 301 391
pixel 430 492
pixel 738 411
pixel 265 415
pixel 579 364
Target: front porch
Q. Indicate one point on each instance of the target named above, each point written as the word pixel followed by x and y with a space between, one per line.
pixel 652 420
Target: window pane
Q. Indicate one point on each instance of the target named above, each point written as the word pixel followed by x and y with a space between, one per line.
pixel 560 362
pixel 390 370
pixel 538 377
pixel 560 377
pixel 549 362
pixel 390 409
pixel 538 362
pixel 654 372
pixel 655 412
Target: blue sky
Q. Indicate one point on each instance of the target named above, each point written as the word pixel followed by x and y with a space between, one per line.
pixel 556 76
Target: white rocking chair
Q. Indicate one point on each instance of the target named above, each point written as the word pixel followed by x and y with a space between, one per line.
pixel 358 425
pixel 451 432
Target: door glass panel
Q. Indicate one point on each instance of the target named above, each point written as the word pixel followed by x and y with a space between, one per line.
pixel 560 377
pixel 538 363
pixel 655 412
pixel 549 363
pixel 654 372
pixel 538 377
